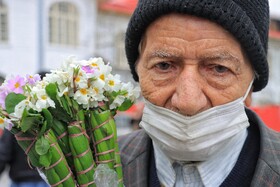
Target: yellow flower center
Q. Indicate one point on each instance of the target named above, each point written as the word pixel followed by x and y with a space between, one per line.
pixel 2 121
pixel 111 83
pixel 44 97
pixel 102 77
pixel 77 79
pixel 96 90
pixel 17 85
pixel 94 65
pixel 83 91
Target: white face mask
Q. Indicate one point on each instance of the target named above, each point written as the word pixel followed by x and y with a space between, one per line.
pixel 198 137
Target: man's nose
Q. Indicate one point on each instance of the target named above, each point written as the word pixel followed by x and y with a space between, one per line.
pixel 189 97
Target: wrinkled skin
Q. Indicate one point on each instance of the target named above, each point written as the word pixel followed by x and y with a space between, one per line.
pixel 189 64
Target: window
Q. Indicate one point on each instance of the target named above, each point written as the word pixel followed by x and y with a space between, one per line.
pixel 121 62
pixel 274 28
pixel 63 24
pixel 3 22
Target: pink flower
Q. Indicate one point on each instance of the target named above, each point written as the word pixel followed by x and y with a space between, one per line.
pixel 16 84
pixel 3 94
pixel 88 69
pixel 33 79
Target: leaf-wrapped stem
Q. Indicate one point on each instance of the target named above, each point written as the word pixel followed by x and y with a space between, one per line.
pixel 103 137
pixel 82 154
pixel 60 130
pixel 118 165
pixel 57 170
pixel 58 165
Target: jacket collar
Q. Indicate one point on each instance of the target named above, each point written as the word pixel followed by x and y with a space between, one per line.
pixel 269 158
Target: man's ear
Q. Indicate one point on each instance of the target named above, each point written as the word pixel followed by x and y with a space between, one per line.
pixel 248 100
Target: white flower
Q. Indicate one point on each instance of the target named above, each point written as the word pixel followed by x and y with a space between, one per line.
pixel 103 70
pixel 40 99
pixel 68 63
pixel 96 62
pixel 97 90
pixel 131 92
pixel 81 96
pixel 62 79
pixel 44 102
pixel 63 89
pixel 113 83
pixel 59 77
pixel 17 114
pixel 81 80
pixel 96 93
pixel 6 123
pixel 118 101
pixel 84 62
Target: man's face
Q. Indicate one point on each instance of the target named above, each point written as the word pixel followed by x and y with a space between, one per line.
pixel 188 64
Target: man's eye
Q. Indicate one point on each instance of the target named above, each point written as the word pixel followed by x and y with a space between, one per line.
pixel 163 66
pixel 220 69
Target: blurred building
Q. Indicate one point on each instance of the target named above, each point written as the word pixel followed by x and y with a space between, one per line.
pixel 271 94
pixel 36 35
pixel 112 18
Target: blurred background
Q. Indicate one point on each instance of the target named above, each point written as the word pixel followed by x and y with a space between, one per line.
pixel 36 35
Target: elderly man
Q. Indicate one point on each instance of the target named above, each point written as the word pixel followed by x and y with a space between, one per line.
pixel 197 62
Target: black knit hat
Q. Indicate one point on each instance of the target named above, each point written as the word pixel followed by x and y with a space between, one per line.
pixel 247 20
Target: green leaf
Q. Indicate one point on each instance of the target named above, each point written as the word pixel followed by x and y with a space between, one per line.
pixel 66 105
pixel 48 117
pixel 125 105
pixel 42 146
pixel 29 121
pixel 25 114
pixel 45 160
pixel 60 114
pixel 12 100
pixel 43 129
pixel 51 90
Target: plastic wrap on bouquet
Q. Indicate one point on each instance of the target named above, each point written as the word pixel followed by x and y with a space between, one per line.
pixel 105 177
pixel 43 176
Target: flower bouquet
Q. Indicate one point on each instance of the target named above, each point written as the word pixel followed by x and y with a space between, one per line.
pixel 65 122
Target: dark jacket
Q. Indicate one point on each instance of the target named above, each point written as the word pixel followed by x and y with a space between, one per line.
pixel 13 156
pixel 136 149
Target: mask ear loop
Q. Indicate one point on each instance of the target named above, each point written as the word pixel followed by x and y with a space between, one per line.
pixel 248 90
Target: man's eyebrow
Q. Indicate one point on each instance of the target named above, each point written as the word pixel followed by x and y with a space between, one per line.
pixel 220 55
pixel 161 54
